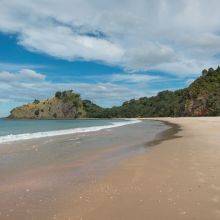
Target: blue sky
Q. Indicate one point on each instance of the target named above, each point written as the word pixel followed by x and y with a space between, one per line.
pixel 109 53
pixel 61 74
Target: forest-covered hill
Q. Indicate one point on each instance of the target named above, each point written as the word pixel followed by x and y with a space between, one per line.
pixel 200 98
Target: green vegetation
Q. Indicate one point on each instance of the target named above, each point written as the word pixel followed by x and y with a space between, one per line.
pixel 201 98
pixel 36 101
pixel 58 94
pixel 66 104
pixel 92 110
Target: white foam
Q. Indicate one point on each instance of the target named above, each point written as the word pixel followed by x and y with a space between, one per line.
pixel 27 136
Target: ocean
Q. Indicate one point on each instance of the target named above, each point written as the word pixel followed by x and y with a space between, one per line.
pixel 14 130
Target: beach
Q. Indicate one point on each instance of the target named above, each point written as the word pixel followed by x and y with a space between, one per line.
pixel 42 177
pixel 172 175
pixel 178 179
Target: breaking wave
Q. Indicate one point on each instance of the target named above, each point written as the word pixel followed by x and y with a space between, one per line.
pixel 27 136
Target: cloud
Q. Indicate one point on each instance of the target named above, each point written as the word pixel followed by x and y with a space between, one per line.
pixel 7 77
pixel 31 74
pixel 21 76
pixel 17 66
pixel 24 86
pixel 136 35
pixel 63 43
pixel 133 78
pixel 150 54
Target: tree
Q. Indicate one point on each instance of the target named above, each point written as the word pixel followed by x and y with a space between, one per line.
pixel 58 94
pixel 37 112
pixel 211 70
pixel 204 72
pixel 36 101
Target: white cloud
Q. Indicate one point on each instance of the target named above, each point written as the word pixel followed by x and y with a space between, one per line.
pixel 150 54
pixel 22 75
pixel 62 42
pixel 31 74
pixel 137 35
pixel 17 66
pixel 7 76
pixel 133 78
pixel 26 85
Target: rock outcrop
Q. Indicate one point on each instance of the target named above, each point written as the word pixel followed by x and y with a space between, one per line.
pixel 63 105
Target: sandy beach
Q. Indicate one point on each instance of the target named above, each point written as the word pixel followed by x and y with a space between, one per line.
pixel 177 177
pixel 43 177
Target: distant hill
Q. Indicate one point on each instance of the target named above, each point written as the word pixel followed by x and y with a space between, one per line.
pixel 201 98
pixel 63 105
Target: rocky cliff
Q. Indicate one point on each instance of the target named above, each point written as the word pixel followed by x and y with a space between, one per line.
pixel 63 105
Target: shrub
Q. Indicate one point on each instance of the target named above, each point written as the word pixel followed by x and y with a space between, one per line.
pixel 37 112
pixel 58 95
pixel 36 101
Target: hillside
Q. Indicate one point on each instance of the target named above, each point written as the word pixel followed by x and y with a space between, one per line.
pixel 63 105
pixel 201 98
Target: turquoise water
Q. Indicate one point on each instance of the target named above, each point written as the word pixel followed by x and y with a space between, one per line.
pixel 11 130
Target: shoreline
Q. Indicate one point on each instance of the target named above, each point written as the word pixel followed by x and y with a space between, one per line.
pixel 45 175
pixel 65 131
pixel 174 128
pixel 179 178
pixel 169 133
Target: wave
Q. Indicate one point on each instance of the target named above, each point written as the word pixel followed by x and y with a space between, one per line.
pixel 27 136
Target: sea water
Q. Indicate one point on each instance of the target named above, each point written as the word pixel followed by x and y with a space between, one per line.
pixel 14 130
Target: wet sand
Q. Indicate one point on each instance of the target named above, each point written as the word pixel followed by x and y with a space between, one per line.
pixel 42 178
pixel 177 177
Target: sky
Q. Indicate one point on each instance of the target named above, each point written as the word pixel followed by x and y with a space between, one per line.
pixel 108 51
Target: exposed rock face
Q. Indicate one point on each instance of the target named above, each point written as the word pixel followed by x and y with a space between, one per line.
pixel 65 105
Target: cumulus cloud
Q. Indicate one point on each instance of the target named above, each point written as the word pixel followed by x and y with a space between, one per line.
pixel 137 35
pixel 31 74
pixel 62 42
pixel 26 85
pixel 22 75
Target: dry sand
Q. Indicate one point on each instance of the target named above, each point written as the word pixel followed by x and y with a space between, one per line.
pixel 178 179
